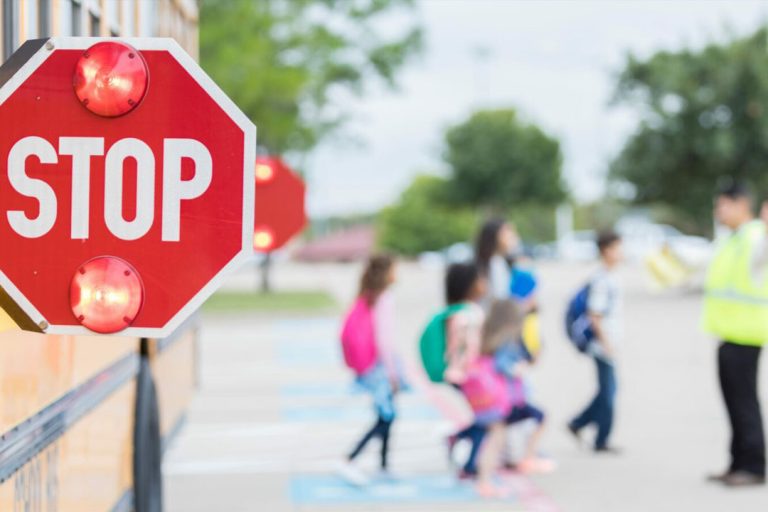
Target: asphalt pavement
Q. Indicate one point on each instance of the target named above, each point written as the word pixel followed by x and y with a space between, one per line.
pixel 276 411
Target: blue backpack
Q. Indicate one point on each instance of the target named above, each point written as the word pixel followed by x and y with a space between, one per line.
pixel 523 284
pixel 578 325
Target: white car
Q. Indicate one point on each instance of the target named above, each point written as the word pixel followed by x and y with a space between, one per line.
pixel 642 238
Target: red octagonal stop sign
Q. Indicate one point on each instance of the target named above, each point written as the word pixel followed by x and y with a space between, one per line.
pixel 152 169
pixel 280 211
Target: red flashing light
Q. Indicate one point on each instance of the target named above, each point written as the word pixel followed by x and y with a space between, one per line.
pixel 106 294
pixel 111 78
pixel 264 173
pixel 263 239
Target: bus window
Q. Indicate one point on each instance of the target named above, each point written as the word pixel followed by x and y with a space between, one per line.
pixel 95 25
pixel 10 28
pixel 44 18
pixel 77 19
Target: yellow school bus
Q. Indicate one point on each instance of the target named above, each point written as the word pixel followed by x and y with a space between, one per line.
pixel 84 420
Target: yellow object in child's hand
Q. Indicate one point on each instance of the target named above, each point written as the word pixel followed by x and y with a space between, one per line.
pixel 532 334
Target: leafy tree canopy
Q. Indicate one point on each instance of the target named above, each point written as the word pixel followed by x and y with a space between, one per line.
pixel 421 221
pixel 704 118
pixel 498 161
pixel 288 64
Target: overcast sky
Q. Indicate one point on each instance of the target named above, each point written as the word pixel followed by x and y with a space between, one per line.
pixel 555 61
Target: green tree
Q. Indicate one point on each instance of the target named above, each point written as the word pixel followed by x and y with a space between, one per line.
pixel 598 215
pixel 290 64
pixel 499 162
pixel 422 221
pixel 704 117
pixel 535 223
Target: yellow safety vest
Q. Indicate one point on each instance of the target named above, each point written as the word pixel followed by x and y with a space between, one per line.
pixel 735 306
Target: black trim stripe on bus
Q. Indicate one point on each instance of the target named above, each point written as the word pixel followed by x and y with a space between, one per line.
pixel 20 444
pixel 125 503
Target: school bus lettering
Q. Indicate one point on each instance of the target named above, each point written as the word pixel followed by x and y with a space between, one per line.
pixel 36 484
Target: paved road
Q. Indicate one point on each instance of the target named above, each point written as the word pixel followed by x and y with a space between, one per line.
pixel 275 410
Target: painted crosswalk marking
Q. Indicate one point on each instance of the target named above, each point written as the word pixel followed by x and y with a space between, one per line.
pixel 309 414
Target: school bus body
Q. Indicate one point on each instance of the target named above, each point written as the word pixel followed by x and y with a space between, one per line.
pixel 67 415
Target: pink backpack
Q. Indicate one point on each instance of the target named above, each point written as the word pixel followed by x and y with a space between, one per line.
pixel 488 391
pixel 358 338
pixel 516 391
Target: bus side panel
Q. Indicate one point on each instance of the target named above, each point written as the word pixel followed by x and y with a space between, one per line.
pixel 89 468
pixel 37 369
pixel 174 370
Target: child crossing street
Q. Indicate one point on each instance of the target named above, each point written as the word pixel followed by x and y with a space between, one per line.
pixel 368 351
pixel 603 304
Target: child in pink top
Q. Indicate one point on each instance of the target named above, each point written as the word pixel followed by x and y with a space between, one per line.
pixel 495 392
pixel 383 378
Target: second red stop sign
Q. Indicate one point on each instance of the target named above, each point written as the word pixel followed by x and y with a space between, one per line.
pixel 280 211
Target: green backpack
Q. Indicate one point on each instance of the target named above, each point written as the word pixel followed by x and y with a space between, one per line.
pixel 432 343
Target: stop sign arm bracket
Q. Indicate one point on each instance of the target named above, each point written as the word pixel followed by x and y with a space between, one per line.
pixel 18 315
pixel 19 58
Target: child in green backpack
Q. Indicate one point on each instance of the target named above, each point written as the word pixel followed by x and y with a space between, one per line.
pixel 465 287
pixel 450 343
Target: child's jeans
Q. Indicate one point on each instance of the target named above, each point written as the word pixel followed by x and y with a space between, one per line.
pixel 376 382
pixel 600 410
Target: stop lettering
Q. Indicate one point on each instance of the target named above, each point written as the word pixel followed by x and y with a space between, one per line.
pixel 81 150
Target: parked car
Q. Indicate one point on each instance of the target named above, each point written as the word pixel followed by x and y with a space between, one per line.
pixel 643 238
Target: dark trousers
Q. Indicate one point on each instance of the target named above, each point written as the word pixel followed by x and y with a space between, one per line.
pixel 476 432
pixel 600 410
pixel 737 368
pixel 380 429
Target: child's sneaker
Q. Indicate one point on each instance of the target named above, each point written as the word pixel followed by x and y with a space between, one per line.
pixel 492 492
pixel 450 443
pixel 352 474
pixel 575 433
pixel 536 465
pixel 609 450
pixel 509 467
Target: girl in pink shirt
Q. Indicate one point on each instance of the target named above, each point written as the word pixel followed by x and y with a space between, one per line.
pixel 383 378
